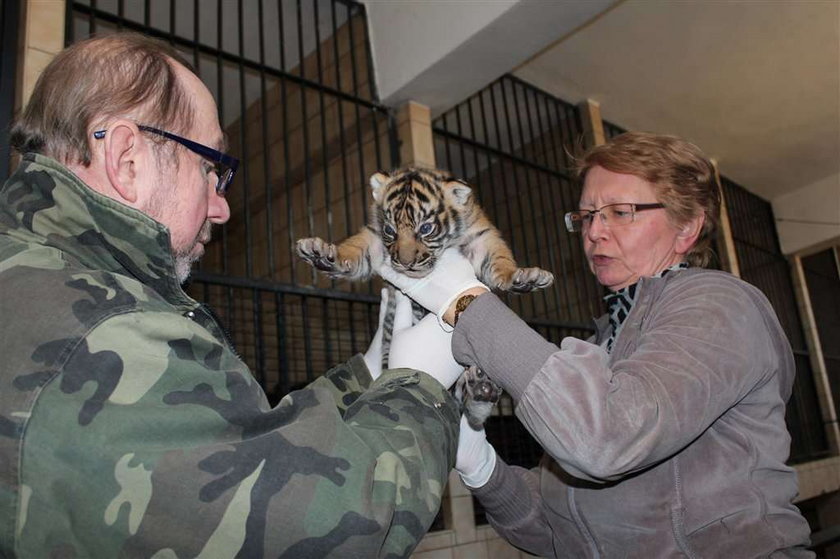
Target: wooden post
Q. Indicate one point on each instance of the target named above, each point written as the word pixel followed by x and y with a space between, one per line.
pixel 414 129
pixel 593 126
pixel 729 257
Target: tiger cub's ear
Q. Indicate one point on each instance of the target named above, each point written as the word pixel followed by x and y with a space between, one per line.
pixel 459 190
pixel 377 184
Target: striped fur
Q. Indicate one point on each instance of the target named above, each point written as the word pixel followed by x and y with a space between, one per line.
pixel 416 215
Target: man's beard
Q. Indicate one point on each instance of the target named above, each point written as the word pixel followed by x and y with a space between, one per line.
pixel 185 257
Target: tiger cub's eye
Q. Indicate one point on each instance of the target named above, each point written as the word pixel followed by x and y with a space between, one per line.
pixel 426 228
pixel 389 230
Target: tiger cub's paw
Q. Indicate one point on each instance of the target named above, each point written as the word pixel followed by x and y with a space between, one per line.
pixel 323 256
pixel 529 279
pixel 478 394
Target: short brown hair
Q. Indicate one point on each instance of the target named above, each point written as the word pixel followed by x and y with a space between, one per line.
pixel 120 75
pixel 685 180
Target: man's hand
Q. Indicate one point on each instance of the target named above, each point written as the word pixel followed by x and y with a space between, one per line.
pixel 452 275
pixel 476 457
pixel 424 346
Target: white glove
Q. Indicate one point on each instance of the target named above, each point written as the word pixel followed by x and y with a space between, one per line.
pixel 424 346
pixel 373 355
pixel 452 275
pixel 475 459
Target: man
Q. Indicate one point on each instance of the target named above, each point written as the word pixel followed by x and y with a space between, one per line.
pixel 128 425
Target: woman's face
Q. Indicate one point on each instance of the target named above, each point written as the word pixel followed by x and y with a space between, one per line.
pixel 619 255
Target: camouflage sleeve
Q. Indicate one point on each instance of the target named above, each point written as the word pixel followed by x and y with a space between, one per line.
pixel 152 439
pixel 345 382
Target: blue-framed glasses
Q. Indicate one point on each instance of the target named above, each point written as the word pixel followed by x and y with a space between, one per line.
pixel 225 165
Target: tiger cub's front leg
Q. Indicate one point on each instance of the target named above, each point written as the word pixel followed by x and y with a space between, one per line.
pixel 495 266
pixel 353 259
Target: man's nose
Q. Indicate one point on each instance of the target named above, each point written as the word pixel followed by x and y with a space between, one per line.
pixel 218 210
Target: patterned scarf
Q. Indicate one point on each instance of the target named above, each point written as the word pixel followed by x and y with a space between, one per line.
pixel 620 303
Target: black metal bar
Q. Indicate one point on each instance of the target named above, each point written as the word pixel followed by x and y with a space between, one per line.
pixel 369 57
pixel 196 36
pixel 267 187
pixel 282 338
pixel 307 162
pixel 363 177
pixel 8 66
pixel 243 146
pixel 325 326
pixel 257 318
pixel 69 27
pixel 323 114
pixel 92 19
pixel 341 139
pixel 220 94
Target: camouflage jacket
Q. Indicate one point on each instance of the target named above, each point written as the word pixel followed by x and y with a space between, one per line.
pixel 130 428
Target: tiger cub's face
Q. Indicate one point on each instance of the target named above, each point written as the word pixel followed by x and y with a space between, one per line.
pixel 418 213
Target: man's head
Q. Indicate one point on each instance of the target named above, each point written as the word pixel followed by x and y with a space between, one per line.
pixel 119 86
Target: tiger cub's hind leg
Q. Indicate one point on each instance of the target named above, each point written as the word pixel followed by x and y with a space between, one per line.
pixel 417 313
pixel 477 395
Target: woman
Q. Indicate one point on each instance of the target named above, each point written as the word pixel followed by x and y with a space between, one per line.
pixel 664 433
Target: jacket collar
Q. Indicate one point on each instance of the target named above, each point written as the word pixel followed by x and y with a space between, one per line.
pixel 647 289
pixel 44 202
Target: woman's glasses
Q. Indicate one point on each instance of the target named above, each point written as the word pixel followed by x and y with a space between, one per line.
pixel 612 215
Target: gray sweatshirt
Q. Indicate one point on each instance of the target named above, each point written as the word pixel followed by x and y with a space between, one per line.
pixel 673 445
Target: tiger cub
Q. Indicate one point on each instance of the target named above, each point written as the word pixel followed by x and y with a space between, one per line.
pixel 416 215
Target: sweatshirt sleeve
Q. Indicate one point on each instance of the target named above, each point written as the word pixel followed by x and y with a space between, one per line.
pixel 701 349
pixel 154 440
pixel 513 504
pixel 492 336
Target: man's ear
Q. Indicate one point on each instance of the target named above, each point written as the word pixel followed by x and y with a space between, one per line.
pixel 123 158
pixel 689 233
